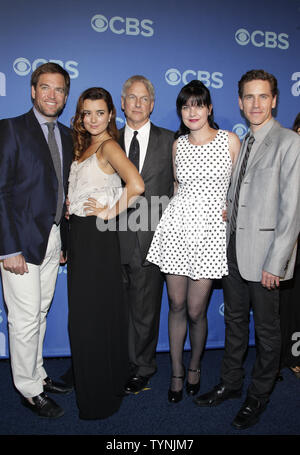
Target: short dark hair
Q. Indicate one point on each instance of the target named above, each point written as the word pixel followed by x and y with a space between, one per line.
pixel 199 95
pixel 262 75
pixel 50 67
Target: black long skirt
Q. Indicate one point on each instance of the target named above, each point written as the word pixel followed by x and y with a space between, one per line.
pixel 97 319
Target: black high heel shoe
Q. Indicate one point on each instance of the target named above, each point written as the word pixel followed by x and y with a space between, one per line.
pixel 174 396
pixel 192 389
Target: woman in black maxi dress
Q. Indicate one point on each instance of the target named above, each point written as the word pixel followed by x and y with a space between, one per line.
pixel 97 313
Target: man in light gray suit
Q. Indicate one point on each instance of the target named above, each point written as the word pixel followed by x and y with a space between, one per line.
pixel 263 224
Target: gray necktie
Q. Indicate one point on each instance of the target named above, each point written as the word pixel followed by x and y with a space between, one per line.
pixel 134 151
pixel 238 185
pixel 57 166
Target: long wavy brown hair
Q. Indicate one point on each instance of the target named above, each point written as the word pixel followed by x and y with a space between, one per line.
pixel 81 137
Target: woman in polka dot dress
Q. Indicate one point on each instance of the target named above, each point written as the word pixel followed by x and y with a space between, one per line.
pixel 189 244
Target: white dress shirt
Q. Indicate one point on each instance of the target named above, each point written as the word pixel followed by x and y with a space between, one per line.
pixel 142 137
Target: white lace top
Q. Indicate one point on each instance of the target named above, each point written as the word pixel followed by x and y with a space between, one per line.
pixel 88 180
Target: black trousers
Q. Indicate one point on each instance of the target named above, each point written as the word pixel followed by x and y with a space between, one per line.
pixel 239 296
pixel 143 290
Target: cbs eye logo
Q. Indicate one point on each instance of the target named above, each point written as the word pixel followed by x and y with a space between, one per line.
pixel 262 39
pixel 63 269
pixel 221 309
pixel 173 76
pixel 99 23
pixel 22 66
pixel 120 122
pixel 240 130
pixel 242 37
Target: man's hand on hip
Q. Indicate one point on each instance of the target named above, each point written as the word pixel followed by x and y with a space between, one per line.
pixel 16 264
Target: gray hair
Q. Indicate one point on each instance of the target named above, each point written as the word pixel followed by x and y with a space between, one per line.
pixel 138 78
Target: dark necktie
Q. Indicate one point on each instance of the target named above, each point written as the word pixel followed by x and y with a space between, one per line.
pixel 57 166
pixel 134 151
pixel 238 185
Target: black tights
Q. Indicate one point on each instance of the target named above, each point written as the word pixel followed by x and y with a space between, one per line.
pixel 188 301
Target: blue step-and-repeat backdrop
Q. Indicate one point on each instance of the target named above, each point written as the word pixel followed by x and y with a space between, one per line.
pixel 102 43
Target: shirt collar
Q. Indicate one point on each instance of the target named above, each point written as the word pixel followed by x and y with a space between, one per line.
pixel 142 131
pixel 261 133
pixel 40 118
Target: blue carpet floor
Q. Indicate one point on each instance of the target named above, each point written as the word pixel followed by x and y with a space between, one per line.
pixel 149 414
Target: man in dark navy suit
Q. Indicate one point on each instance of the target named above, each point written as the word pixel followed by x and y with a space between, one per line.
pixel 35 157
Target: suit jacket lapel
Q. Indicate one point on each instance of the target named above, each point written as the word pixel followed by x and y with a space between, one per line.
pixel 65 151
pixel 253 159
pixel 152 146
pixel 36 132
pixel 262 149
pixel 121 139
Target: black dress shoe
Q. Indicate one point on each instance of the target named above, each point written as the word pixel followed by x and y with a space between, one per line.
pixel 217 395
pixel 136 384
pixel 56 387
pixel 43 406
pixel 192 389
pixel 174 396
pixel 249 413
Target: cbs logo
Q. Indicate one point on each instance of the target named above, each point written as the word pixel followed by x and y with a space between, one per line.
pixel 262 39
pixel 121 25
pixel 2 84
pixel 174 77
pixel 63 269
pixel 240 130
pixel 296 86
pixel 221 309
pixel 22 66
pixel 120 122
